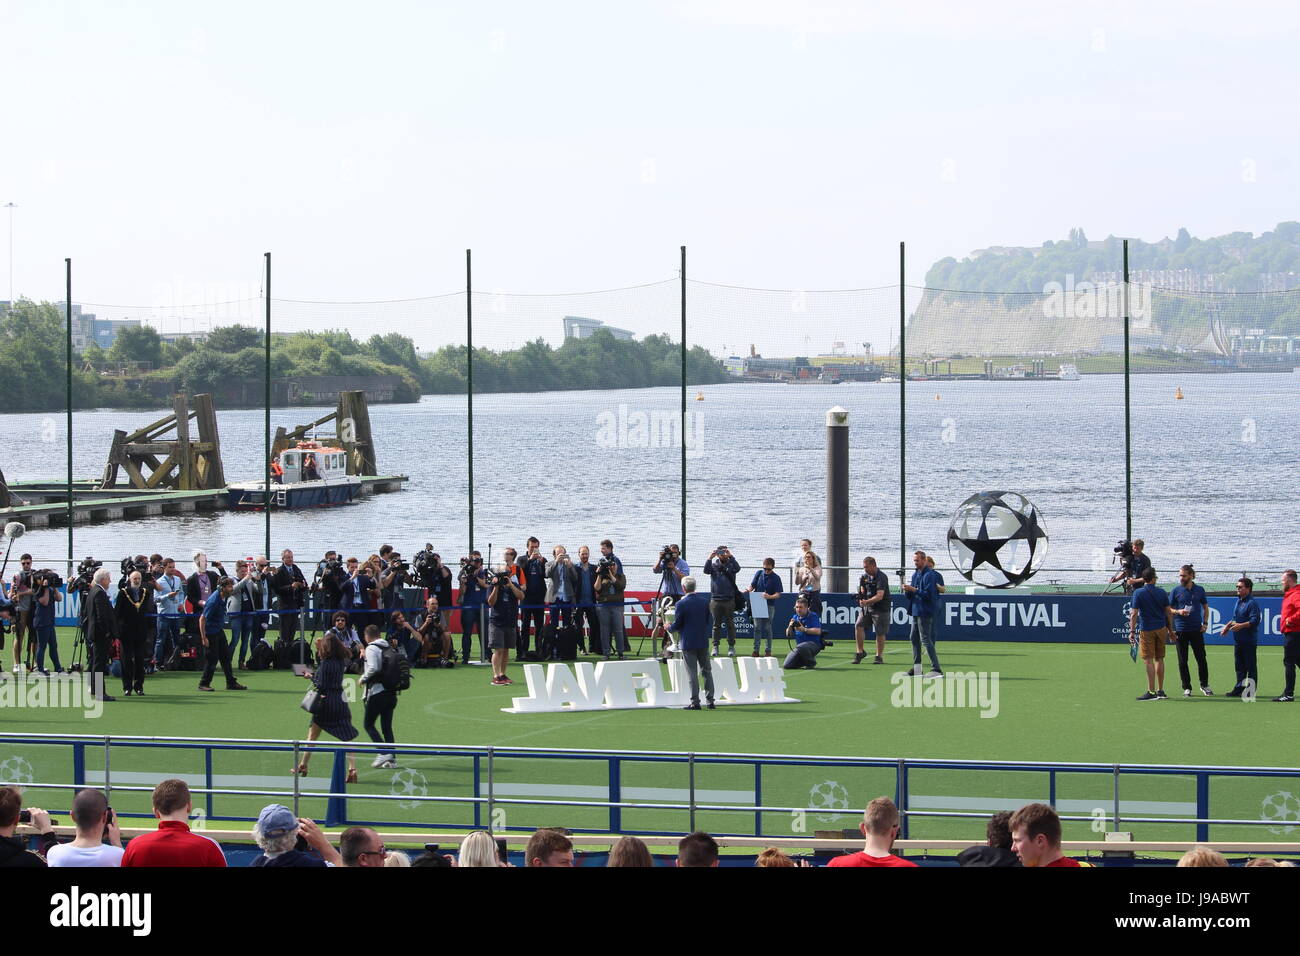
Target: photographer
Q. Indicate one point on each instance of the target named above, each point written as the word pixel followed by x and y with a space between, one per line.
pixel 327 588
pixel 168 603
pixel 435 577
pixel 561 587
pixel 805 629
pixel 610 586
pixel 392 581
pixel 199 587
pixel 356 589
pixel 132 630
pixel 532 570
pixel 45 596
pixel 473 590
pixel 291 588
pixel 873 599
pixel 722 568
pixel 13 849
pixel 406 636
pixel 503 599
pixel 98 842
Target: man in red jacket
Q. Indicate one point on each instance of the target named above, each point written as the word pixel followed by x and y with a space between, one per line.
pixel 1290 627
pixel 880 826
pixel 172 844
pixel 1036 836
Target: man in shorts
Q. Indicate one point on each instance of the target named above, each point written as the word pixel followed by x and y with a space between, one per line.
pixel 873 598
pixel 504 595
pixel 1151 611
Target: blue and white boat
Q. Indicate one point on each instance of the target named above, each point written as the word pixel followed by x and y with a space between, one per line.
pixel 308 475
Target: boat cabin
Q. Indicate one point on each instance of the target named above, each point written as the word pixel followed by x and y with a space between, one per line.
pixel 311 461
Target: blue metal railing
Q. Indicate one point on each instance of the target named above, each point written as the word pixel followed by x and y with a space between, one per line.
pixel 486 765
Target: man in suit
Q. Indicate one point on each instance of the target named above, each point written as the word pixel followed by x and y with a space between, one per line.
pixel 198 586
pixel 692 625
pixel 291 587
pixel 101 629
pixel 585 600
pixel 355 588
pixel 561 586
pixel 259 587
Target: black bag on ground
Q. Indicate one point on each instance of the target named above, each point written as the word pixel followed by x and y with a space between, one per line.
pixel 283 653
pixel 262 656
pixel 566 643
pixel 301 653
pixel 546 639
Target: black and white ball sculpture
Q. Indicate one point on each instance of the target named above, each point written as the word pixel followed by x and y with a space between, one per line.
pixel 997 540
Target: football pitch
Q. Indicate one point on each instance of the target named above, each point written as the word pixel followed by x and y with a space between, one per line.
pixel 1066 703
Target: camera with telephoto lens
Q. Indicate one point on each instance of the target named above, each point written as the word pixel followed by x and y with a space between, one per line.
pixel 130 564
pixel 1124 549
pixel 47 578
pixel 500 578
pixel 666 554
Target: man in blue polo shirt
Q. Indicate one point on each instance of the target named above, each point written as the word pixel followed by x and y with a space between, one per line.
pixel 1244 628
pixel 691 622
pixel 1191 611
pixel 212 633
pixel 805 629
pixel 922 603
pixel 1151 610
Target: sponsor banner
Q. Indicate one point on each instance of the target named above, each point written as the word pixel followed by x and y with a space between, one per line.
pixel 1042 618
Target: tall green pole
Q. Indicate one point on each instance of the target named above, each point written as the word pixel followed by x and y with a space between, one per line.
pixel 1128 415
pixel 683 428
pixel 902 408
pixel 68 376
pixel 469 389
pixel 266 423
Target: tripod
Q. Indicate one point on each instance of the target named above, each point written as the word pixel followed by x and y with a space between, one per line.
pixel 657 631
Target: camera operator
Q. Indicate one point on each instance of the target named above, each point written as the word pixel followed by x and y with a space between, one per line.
pixel 585 598
pixel 406 636
pixel 671 570
pixel 20 595
pixel 1133 564
pixel 291 588
pixel 392 581
pixel 805 629
pixel 722 568
pixel 168 628
pixel 327 590
pixel 45 596
pixel 435 577
pixel 473 590
pixel 561 587
pixel 260 588
pixel 503 599
pixel 532 570
pixel 610 586
pixel 132 631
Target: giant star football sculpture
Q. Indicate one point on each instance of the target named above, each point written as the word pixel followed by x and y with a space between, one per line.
pixel 996 539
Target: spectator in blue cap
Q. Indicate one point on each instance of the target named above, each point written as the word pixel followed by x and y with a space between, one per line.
pixel 277 831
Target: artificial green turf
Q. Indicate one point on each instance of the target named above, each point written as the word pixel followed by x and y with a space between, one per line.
pixel 1063 702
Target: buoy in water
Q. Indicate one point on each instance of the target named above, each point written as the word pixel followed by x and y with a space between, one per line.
pixel 1178 393
pixel 699 396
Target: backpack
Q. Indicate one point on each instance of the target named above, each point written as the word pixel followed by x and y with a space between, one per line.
pixel 546 640
pixel 300 652
pixel 283 652
pixel 262 657
pixel 566 642
pixel 394 669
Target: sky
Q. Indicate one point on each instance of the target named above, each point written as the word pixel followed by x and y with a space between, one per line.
pixel 164 147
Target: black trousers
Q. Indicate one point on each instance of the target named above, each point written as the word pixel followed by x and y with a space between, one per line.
pixel 1195 641
pixel 97 652
pixel 588 614
pixel 380 707
pixel 1244 658
pixel 1290 658
pixel 535 616
pixel 218 651
pixel 288 625
pixel 135 653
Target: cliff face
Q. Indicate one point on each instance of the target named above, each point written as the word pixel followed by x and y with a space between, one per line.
pixel 985 324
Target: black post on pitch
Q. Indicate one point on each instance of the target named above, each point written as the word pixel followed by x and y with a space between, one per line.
pixel 1128 414
pixel 837 499
pixel 469 391
pixel 68 382
pixel 683 428
pixel 902 408
pixel 266 423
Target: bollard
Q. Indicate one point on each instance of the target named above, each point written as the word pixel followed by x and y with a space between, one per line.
pixel 837 500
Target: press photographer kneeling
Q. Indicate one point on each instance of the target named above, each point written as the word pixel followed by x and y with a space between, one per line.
pixel 805 629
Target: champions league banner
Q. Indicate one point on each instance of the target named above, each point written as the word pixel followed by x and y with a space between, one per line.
pixel 1034 618
pixel 993 616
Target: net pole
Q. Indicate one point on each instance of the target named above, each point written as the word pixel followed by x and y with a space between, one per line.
pixel 266 412
pixel 67 263
pixel 902 407
pixel 469 391
pixel 1128 413
pixel 682 430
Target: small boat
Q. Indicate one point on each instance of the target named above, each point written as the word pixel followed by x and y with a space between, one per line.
pixel 312 475
pixel 1068 372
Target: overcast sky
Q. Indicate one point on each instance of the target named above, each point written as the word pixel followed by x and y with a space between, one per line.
pixel 578 145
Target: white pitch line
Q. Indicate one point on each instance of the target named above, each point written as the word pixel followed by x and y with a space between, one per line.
pixel 993 804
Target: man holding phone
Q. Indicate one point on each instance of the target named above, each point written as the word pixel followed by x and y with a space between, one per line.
pixel 95 825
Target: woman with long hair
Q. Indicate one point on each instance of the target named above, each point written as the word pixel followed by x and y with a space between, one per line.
pixel 332 714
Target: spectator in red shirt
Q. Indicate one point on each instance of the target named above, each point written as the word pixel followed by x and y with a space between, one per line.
pixel 879 825
pixel 1036 836
pixel 172 844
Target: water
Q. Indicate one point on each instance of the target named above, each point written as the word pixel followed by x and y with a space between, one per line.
pixel 1213 473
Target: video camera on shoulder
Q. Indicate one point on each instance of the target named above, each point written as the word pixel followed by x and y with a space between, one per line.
pixel 47 578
